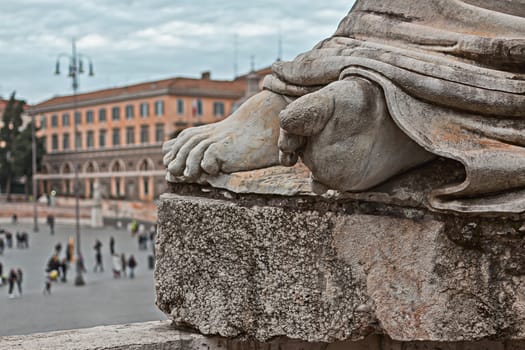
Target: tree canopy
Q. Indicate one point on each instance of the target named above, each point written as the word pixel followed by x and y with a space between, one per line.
pixel 16 147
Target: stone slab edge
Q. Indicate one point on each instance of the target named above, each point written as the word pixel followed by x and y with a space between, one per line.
pixel 162 335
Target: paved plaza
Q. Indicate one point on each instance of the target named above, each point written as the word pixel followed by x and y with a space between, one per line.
pixel 102 301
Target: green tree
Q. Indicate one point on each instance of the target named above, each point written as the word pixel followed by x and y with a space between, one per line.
pixel 15 147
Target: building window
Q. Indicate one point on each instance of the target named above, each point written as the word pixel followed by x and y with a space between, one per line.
pixel 102 138
pixel 196 108
pixel 65 141
pixel 115 113
pixel 102 115
pixel 89 117
pixel 180 106
pixel 54 121
pixel 159 132
pixel 218 109
pixel 130 135
pixel 43 122
pixel 159 108
pixel 78 140
pixel 90 139
pixel 116 136
pixel 144 133
pixel 144 109
pixel 129 112
pixel 65 119
pixel 54 142
pixel 78 118
pixel 146 185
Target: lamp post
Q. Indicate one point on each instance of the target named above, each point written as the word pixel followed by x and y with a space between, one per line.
pixel 76 67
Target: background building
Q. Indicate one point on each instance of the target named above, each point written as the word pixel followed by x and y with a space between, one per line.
pixel 121 130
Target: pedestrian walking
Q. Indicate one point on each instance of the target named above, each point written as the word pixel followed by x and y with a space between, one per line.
pixel 53 265
pixel 1 274
pixel 117 266
pixel 19 240
pixel 112 245
pixel 2 246
pixel 9 239
pixel 64 267
pixel 58 248
pixel 132 263
pixel 134 227
pixel 98 256
pixel 14 219
pixel 51 223
pixel 47 285
pixel 19 279
pixel 11 279
pixel 24 240
pixel 70 250
pixel 123 263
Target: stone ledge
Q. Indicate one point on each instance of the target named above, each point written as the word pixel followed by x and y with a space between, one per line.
pixel 332 273
pixel 162 336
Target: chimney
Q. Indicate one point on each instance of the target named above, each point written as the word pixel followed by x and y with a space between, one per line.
pixel 206 75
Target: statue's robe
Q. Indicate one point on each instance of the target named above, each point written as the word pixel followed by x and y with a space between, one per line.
pixel 453 75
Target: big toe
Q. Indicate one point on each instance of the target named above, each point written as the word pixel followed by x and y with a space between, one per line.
pixel 308 115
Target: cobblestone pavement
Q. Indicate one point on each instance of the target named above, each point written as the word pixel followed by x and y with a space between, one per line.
pixel 102 301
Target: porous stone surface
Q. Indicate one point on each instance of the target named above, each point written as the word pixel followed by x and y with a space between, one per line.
pixel 162 336
pixel 324 270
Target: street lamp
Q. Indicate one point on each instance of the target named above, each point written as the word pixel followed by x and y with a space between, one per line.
pixel 75 68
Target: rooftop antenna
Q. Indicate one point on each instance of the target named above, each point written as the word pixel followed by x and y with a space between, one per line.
pixel 279 45
pixel 235 54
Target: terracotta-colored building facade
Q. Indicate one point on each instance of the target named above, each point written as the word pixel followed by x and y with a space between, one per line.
pixel 120 132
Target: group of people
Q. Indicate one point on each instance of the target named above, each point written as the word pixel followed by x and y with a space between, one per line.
pixel 122 266
pixel 14 277
pixel 56 268
pixel 142 235
pixel 58 265
pixel 6 240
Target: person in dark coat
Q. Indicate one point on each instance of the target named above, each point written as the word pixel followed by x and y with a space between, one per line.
pixel 51 223
pixel 124 263
pixel 53 264
pixel 132 263
pixel 9 239
pixel 58 248
pixel 47 285
pixel 98 257
pixel 112 245
pixel 19 278
pixel 11 280
pixel 63 268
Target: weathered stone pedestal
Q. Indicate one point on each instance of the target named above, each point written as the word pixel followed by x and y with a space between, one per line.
pixel 256 267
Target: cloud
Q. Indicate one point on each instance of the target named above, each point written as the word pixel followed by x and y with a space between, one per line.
pixel 134 40
pixel 93 41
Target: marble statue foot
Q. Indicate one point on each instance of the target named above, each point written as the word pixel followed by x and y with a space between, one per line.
pixel 346 137
pixel 246 140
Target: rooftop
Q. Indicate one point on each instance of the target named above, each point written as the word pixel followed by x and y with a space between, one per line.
pixel 181 86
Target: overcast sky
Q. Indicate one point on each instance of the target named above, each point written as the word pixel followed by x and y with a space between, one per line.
pixel 139 40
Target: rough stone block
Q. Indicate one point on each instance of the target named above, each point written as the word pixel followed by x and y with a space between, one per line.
pixel 260 267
